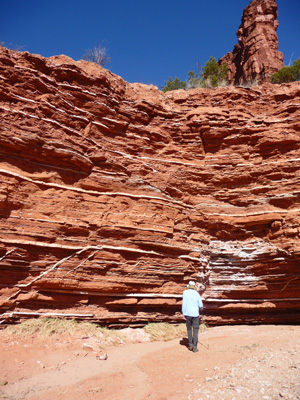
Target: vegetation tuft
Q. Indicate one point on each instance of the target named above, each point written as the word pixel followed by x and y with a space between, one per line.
pixel 210 76
pixel 161 331
pixel 98 55
pixel 287 74
pixel 46 327
pixel 173 84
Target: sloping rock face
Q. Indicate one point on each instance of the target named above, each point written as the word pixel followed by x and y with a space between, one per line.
pixel 255 57
pixel 114 195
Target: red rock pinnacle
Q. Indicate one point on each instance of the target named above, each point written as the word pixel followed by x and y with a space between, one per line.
pixel 255 57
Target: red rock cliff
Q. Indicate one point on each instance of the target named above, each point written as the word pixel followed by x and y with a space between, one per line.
pixel 114 195
pixel 255 57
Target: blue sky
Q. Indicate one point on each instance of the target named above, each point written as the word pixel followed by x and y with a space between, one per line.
pixel 148 41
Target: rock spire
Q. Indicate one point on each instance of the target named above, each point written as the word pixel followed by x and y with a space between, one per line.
pixel 255 57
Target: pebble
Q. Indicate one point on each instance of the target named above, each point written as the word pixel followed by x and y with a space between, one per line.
pixel 102 357
pixel 88 347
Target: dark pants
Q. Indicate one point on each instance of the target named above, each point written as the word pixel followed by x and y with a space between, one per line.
pixel 192 325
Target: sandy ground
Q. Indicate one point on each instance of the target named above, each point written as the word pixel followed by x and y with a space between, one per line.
pixel 233 362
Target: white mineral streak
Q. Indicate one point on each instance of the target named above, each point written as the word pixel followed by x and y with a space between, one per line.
pixel 65 93
pixel 28 69
pixel 114 121
pixel 190 258
pixel 52 121
pixel 226 261
pixel 47 314
pixel 106 106
pixel 101 126
pixel 169 295
pixel 23 98
pixel 49 270
pixel 257 301
pixel 204 162
pixel 67 86
pixel 249 214
pixel 79 248
pixel 71 152
pixel 122 294
pixel 7 253
pixel 94 192
pixel 242 251
pixel 64 112
pixel 76 108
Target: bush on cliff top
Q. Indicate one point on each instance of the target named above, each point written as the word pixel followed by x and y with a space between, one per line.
pixel 287 74
pixel 215 73
pixel 173 84
pixel 212 75
pixel 98 55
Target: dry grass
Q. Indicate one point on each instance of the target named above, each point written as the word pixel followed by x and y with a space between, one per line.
pixel 161 331
pixel 46 327
pixel 248 84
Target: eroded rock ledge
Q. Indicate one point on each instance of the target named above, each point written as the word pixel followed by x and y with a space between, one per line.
pixel 114 195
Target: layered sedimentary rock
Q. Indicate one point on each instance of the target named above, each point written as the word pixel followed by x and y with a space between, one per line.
pixel 255 57
pixel 114 195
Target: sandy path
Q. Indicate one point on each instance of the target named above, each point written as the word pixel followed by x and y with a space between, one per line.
pixel 156 371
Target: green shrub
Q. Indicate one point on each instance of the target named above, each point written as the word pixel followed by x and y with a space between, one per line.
pixel 287 74
pixel 194 80
pixel 212 75
pixel 214 72
pixel 173 84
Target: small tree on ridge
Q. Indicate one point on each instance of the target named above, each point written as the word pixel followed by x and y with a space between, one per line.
pixel 173 84
pixel 287 74
pixel 97 55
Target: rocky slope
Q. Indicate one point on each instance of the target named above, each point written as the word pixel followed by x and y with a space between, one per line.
pixel 114 195
pixel 255 57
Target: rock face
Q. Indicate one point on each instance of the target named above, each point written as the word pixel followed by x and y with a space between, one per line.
pixel 114 195
pixel 255 57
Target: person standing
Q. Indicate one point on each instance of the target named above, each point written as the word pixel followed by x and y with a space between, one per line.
pixel 191 304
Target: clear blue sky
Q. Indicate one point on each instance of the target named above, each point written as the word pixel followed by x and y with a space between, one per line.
pixel 148 41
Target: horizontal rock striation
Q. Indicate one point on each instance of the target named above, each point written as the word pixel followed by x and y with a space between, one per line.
pixel 114 195
pixel 255 57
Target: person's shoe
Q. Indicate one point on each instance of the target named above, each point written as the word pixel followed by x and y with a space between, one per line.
pixel 191 348
pixel 195 350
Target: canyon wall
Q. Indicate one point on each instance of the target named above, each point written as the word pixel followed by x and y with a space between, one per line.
pixel 114 195
pixel 255 57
